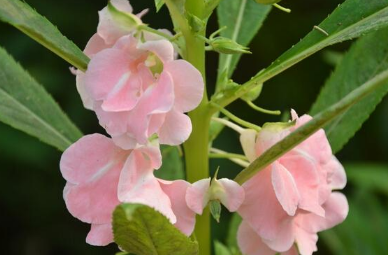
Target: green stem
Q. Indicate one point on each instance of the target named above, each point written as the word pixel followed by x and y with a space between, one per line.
pixel 259 109
pixel 197 146
pixel 228 156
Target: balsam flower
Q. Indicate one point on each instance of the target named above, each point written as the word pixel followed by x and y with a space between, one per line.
pixel 138 89
pixel 291 200
pixel 226 191
pixel 101 175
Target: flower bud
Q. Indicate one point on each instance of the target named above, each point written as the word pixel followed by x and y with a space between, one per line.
pixel 227 46
pixel 128 20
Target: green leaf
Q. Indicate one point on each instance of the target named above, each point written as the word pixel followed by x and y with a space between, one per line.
pixel 231 239
pixel 243 19
pixel 159 4
pixel 172 167
pixel 319 121
pixel 25 105
pixel 369 176
pixel 27 20
pixel 141 230
pixel 367 57
pixel 350 20
pixel 221 249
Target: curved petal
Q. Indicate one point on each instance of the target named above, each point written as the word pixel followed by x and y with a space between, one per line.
pixel 261 209
pixel 307 242
pixel 176 191
pixel 248 141
pixel 250 242
pixel 176 128
pixel 138 185
pixel 197 196
pixel 155 100
pixel 87 101
pixel 100 235
pixel 125 141
pixel 163 49
pixel 107 71
pixel 188 84
pixel 304 170
pixel 336 174
pixel 269 135
pixel 285 188
pixel 95 45
pixel 232 195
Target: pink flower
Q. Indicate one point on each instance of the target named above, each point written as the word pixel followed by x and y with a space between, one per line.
pixel 291 200
pixel 138 90
pixel 226 191
pixel 101 175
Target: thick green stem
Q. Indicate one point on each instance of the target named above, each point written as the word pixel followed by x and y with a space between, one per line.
pixel 197 146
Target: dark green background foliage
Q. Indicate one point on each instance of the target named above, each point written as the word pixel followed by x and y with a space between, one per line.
pixel 34 217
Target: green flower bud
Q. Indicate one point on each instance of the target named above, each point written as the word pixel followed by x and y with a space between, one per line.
pixel 227 46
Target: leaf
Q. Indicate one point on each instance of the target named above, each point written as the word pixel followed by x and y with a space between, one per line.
pixel 172 167
pixel 25 105
pixel 366 58
pixel 231 239
pixel 141 230
pixel 350 20
pixel 243 19
pixel 319 121
pixel 20 15
pixel 369 176
pixel 159 4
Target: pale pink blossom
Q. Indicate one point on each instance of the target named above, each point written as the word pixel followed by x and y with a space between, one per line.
pixel 291 200
pixel 101 175
pixel 226 191
pixel 139 89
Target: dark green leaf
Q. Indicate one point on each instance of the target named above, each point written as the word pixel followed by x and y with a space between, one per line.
pixel 350 20
pixel 25 105
pixel 172 167
pixel 366 58
pixel 141 230
pixel 243 19
pixel 319 121
pixel 27 20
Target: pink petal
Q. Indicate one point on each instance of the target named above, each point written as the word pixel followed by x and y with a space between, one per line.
pixel 307 242
pixel 285 188
pixel 336 174
pixel 285 238
pixel 155 100
pixel 163 49
pixel 138 185
pixel 115 123
pixel 248 141
pixel 233 195
pixel 197 196
pixel 176 128
pixel 108 28
pixel 108 70
pixel 156 121
pixel 304 170
pixel 269 135
pixel 100 235
pixel 176 191
pixel 125 141
pixel 250 242
pixel 95 45
pixel 188 84
pixel 87 101
pixel 92 167
pixel 261 209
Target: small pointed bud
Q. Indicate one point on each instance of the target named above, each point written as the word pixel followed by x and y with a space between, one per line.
pixel 227 46
pixel 215 209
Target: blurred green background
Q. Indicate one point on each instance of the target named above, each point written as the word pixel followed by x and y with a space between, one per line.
pixel 34 217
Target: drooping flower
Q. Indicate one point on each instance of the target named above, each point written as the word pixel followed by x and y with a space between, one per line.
pixel 226 191
pixel 101 175
pixel 291 200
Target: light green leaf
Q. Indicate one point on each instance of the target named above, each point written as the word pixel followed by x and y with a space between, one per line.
pixel 141 230
pixel 319 121
pixel 159 4
pixel 172 167
pixel 370 176
pixel 25 105
pixel 350 20
pixel 27 20
pixel 366 58
pixel 243 19
pixel 221 249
